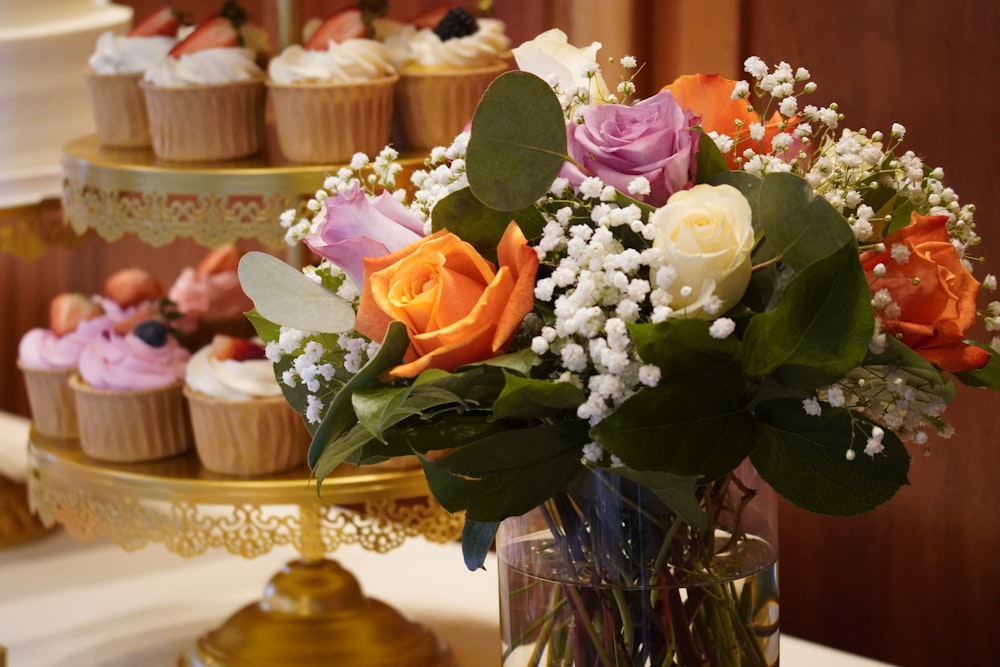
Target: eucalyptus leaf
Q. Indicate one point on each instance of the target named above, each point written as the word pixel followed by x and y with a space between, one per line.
pixel 819 330
pixel 710 160
pixel 269 282
pixel 803 458
pixel 516 149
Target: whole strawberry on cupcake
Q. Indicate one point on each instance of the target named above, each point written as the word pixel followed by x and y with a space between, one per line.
pixel 242 423
pixel 129 395
pixel 446 57
pixel 209 299
pixel 48 357
pixel 115 68
pixel 130 296
pixel 206 98
pixel 332 95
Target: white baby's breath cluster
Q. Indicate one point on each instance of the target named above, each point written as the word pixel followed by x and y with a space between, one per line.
pixel 597 286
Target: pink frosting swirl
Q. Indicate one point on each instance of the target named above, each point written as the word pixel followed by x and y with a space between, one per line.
pixel 125 363
pixel 41 348
pixel 215 296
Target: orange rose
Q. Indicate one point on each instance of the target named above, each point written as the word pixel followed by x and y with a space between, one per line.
pixel 934 293
pixel 456 307
pixel 711 97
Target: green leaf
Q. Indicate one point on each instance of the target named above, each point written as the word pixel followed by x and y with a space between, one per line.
pixel 377 408
pixel 527 398
pixel 464 215
pixel 340 416
pixel 268 282
pixel 682 426
pixel 987 377
pixel 518 142
pixel 478 384
pixel 799 226
pixel 921 374
pixel 819 330
pixel 265 328
pixel 804 459
pixel 681 346
pixel 710 160
pixel 446 431
pixel 677 491
pixel 509 473
pixel 477 538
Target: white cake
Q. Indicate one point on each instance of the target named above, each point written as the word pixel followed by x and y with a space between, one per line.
pixel 44 104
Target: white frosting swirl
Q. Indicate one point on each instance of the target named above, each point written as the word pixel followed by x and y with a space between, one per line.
pixel 350 61
pixel 411 47
pixel 120 54
pixel 211 66
pixel 229 379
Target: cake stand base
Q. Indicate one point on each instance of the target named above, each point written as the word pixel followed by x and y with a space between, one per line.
pixel 314 613
pixel 17 524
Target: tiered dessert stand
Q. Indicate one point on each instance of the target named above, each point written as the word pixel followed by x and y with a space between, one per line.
pixel 313 611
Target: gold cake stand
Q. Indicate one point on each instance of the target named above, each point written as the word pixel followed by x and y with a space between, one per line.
pixel 117 191
pixel 312 611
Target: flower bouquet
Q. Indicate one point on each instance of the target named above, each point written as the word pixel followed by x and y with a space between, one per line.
pixel 596 320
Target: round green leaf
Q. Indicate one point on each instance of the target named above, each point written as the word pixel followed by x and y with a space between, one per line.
pixel 518 142
pixel 268 282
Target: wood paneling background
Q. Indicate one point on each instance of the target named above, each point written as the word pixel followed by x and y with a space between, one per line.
pixel 915 582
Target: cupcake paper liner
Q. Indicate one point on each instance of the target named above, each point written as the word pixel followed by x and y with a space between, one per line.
pixel 53 406
pixel 131 426
pixel 328 123
pixel 252 437
pixel 208 122
pixel 119 109
pixel 433 107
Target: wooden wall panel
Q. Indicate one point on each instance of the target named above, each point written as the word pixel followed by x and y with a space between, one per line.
pixel 915 582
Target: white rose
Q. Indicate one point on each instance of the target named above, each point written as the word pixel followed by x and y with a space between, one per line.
pixel 706 235
pixel 551 57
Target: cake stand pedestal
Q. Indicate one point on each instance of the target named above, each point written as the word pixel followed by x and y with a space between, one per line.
pixel 312 611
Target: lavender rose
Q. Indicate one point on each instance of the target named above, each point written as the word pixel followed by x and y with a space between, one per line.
pixel 618 143
pixel 352 227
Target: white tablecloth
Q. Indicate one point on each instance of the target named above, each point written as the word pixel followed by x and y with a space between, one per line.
pixel 66 604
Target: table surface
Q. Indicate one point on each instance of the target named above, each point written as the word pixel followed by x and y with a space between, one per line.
pixel 64 603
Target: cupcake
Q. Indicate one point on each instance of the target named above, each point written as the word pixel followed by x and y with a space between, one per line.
pixel 242 423
pixel 115 68
pixel 332 96
pixel 48 357
pixel 443 72
pixel 209 299
pixel 129 395
pixel 206 98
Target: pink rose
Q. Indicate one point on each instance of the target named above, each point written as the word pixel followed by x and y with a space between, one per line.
pixel 618 143
pixel 353 227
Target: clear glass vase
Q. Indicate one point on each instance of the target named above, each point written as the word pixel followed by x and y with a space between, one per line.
pixel 605 574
